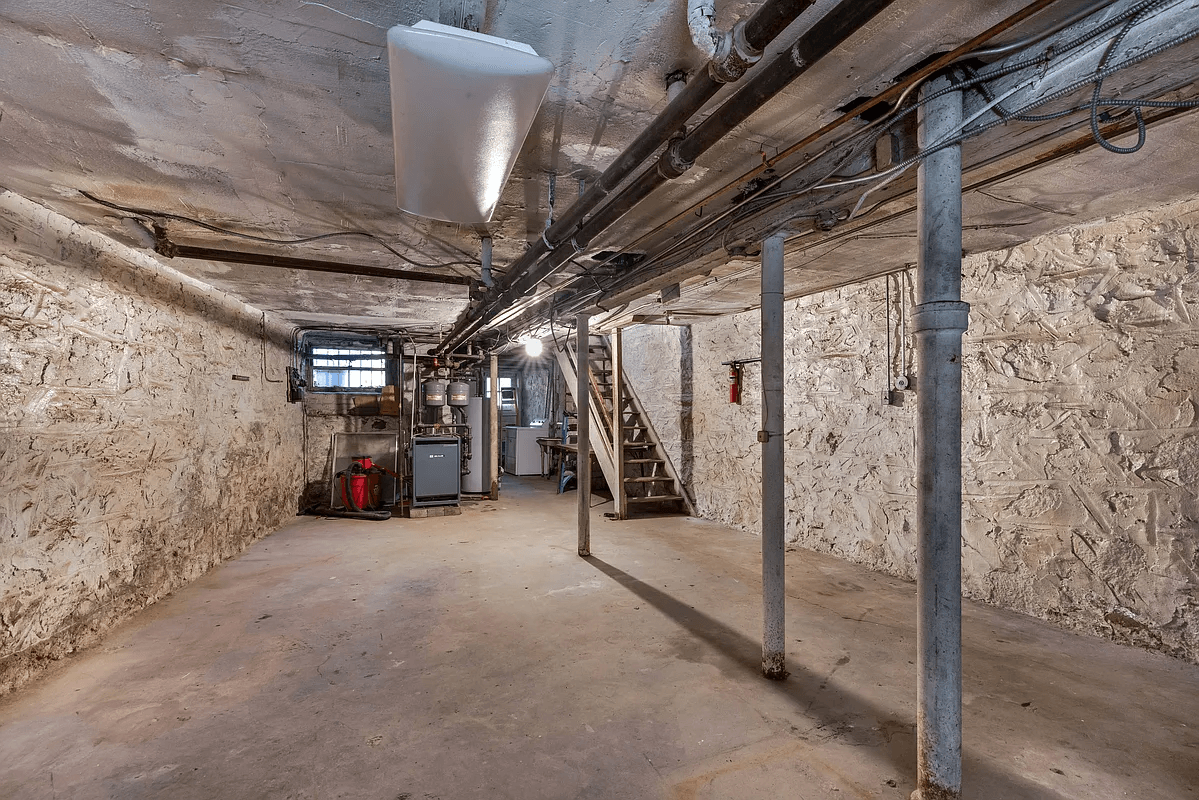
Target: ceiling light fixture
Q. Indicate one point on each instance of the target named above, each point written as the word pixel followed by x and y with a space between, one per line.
pixel 533 347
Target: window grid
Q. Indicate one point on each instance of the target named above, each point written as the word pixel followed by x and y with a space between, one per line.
pixel 507 393
pixel 348 368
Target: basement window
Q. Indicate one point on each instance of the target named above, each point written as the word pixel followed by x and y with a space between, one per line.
pixel 343 369
pixel 507 394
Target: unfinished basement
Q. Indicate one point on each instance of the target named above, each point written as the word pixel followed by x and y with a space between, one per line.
pixel 547 399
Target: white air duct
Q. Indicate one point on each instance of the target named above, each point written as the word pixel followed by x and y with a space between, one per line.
pixel 461 106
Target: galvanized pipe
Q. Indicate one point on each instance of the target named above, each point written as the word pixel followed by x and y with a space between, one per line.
pixel 583 409
pixel 939 320
pixel 774 661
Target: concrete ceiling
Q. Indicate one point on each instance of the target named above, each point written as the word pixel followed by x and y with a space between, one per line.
pixel 273 119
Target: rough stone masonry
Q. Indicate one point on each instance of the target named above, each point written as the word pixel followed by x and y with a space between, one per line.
pixel 132 461
pixel 1081 438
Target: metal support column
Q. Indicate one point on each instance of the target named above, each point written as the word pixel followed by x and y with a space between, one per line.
pixel 774 661
pixel 939 320
pixel 619 490
pixel 493 454
pixel 583 408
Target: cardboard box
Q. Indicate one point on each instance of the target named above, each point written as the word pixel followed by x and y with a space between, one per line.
pixel 389 401
pixel 361 404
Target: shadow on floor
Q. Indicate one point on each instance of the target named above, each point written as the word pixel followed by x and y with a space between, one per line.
pixel 842 713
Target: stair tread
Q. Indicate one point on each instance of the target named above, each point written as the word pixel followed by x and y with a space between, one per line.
pixel 653 498
pixel 639 444
pixel 650 479
pixel 644 461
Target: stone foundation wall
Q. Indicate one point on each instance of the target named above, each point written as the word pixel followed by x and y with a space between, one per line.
pixel 132 461
pixel 1081 444
pixel 535 400
pixel 658 362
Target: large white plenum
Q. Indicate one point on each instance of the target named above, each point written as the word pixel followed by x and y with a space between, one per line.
pixel 461 106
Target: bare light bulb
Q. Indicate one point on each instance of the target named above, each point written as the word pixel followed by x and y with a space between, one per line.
pixel 533 347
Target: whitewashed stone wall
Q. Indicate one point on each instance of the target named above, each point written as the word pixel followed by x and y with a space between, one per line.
pixel 658 364
pixel 1081 443
pixel 535 400
pixel 131 460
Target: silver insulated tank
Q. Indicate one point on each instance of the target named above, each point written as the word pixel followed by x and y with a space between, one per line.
pixel 459 393
pixel 433 393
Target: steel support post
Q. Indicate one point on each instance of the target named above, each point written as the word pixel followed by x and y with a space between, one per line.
pixel 493 434
pixel 939 320
pixel 583 408
pixel 774 660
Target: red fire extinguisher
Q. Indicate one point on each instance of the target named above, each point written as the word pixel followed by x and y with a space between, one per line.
pixel 735 383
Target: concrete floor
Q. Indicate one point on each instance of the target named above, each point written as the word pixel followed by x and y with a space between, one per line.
pixel 478 657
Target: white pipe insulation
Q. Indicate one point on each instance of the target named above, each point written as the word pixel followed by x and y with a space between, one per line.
pixel 701 19
pixel 485 266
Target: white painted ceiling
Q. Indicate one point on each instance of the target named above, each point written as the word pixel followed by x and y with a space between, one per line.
pixel 273 119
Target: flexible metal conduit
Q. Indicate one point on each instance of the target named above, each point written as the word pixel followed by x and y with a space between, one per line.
pixel 750 38
pixel 1031 39
pixel 826 35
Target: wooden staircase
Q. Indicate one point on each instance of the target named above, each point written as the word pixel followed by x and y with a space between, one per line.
pixel 634 464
